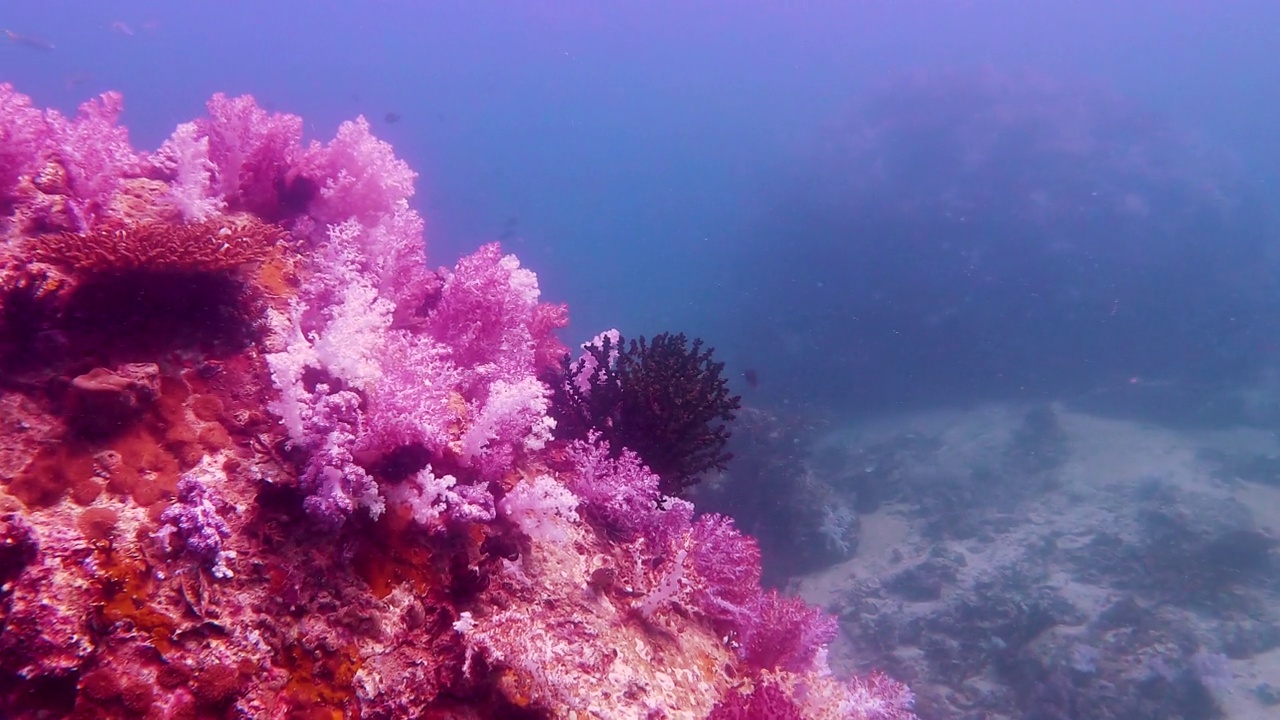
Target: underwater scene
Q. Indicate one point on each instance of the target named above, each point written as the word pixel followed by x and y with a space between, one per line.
pixel 667 360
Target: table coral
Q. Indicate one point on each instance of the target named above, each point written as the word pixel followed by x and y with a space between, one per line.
pixel 346 497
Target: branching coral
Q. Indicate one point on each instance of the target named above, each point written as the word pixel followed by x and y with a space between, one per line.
pixel 663 399
pixel 125 287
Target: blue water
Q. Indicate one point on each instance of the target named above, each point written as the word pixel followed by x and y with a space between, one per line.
pixel 624 150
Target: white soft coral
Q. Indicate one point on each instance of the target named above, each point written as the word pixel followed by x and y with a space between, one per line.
pixel 541 508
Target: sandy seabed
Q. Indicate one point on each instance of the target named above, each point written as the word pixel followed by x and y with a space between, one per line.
pixel 1040 561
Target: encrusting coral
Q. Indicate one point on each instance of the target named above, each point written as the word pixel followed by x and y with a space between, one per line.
pixel 220 244
pixel 330 483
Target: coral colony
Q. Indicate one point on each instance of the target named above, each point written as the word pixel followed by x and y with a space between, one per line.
pixel 257 460
pixel 656 399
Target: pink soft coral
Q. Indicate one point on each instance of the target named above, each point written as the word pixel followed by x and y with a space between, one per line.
pixel 784 633
pixel 63 172
pixel 879 697
pixel 255 153
pixel 621 496
pixel 360 175
pixel 95 153
pixel 23 133
pixel 727 569
pixel 183 159
pixel 490 317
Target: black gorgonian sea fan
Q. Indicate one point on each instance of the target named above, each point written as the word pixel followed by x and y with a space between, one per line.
pixel 663 399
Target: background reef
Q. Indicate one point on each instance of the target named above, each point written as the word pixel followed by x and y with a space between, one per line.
pixel 966 234
pixel 260 461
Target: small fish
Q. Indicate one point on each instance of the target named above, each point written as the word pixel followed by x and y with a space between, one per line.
pixel 78 80
pixel 392 118
pixel 752 378
pixel 510 228
pixel 30 41
pixel 122 27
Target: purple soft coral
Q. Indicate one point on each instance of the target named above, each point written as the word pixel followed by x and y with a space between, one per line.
pixel 438 366
pixel 488 314
pixel 197 522
pixel 336 484
pixel 451 389
pixel 94 152
pixel 712 568
pixel 877 696
pixel 621 495
pixel 784 633
pixel 727 564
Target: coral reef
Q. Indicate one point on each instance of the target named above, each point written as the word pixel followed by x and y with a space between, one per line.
pixel 259 461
